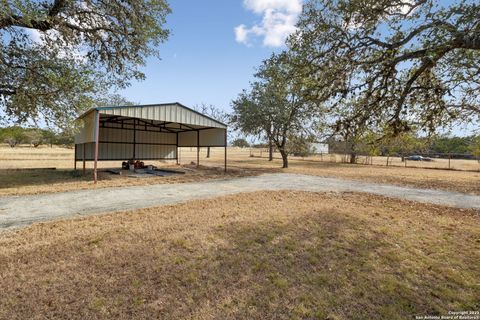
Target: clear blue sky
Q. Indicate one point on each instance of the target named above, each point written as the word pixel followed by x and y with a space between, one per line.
pixel 214 48
pixel 202 61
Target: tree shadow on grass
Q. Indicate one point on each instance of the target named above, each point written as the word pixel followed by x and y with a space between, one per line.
pixel 32 177
pixel 315 266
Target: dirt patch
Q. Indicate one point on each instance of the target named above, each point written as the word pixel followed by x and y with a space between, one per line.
pixel 248 256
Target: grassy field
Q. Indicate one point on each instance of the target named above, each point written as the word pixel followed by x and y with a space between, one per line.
pixel 22 182
pixel 275 255
pixel 278 255
pixel 16 182
pixel 436 163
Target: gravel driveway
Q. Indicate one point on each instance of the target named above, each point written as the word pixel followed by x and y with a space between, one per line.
pixel 23 210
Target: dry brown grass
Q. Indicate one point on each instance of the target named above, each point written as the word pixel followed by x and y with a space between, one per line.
pixel 240 163
pixel 437 163
pixel 460 181
pixel 23 182
pixel 276 255
pixel 14 180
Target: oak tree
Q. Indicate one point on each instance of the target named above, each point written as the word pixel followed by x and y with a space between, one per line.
pixel 56 55
pixel 412 62
pixel 274 106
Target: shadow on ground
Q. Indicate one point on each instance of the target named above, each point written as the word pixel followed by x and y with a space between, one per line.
pixel 12 178
pixel 323 264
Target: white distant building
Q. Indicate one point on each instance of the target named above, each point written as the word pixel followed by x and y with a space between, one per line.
pixel 317 148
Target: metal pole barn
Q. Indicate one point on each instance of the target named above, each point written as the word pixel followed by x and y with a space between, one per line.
pixel 166 135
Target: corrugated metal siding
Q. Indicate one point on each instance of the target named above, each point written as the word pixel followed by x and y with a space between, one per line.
pixel 144 151
pixel 115 151
pixel 187 139
pixel 155 137
pixel 89 151
pixel 86 131
pixel 169 113
pixel 212 138
pixel 115 135
pixel 120 151
pixel 119 135
pixel 208 138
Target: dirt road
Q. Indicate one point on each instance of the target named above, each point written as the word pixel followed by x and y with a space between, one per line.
pixel 23 210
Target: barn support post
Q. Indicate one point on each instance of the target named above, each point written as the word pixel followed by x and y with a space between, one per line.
pixel 198 148
pixel 97 135
pixel 83 158
pixel 176 152
pixel 134 137
pixel 75 159
pixel 225 148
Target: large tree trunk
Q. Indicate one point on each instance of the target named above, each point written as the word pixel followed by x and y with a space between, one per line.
pixel 353 157
pixel 270 150
pixel 284 157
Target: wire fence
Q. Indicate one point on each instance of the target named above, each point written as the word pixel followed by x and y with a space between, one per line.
pixel 447 161
pixel 25 157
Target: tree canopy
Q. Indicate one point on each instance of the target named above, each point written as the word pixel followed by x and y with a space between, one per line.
pixel 55 56
pixel 241 143
pixel 275 106
pixel 16 135
pixel 401 63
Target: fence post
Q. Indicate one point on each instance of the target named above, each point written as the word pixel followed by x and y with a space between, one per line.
pixel 449 158
pixel 405 160
pixel 387 160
